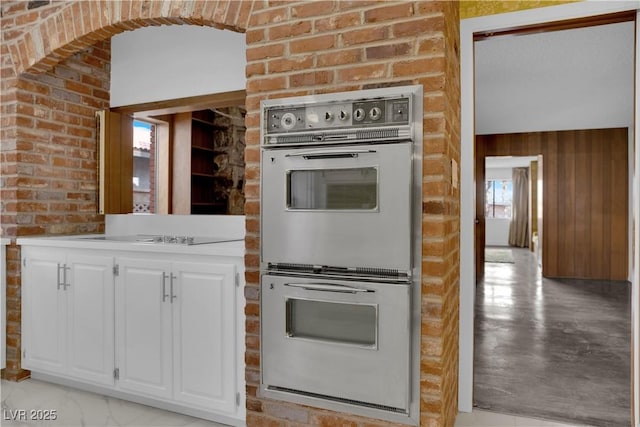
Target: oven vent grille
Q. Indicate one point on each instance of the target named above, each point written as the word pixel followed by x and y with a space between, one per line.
pixel 377 134
pixel 381 272
pixel 342 136
pixel 339 399
pixel 295 139
pixel 293 267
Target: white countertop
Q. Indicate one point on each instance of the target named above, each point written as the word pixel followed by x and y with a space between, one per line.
pixel 4 241
pixel 232 249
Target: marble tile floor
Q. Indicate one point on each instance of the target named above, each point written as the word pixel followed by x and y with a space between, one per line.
pixel 553 349
pixel 77 408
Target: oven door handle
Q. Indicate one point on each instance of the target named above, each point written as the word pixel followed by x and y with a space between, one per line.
pixel 337 154
pixel 325 287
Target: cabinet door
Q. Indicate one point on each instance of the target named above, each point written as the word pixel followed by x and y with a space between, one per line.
pixel 44 311
pixel 143 327
pixel 89 291
pixel 204 335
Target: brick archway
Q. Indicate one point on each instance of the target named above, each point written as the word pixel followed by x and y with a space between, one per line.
pixel 79 25
pixel 49 96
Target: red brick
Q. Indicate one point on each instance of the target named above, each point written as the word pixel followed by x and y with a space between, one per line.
pixel 340 57
pixel 261 420
pixel 312 78
pixel 388 51
pixel 419 27
pixel 270 16
pixel 289 30
pixel 352 4
pixel 255 35
pixel 290 64
pixel 263 52
pixel 312 44
pixel 419 66
pixel 266 84
pixel 367 35
pixel 337 22
pixel 365 72
pixel 294 413
pixel 388 13
pixel 331 420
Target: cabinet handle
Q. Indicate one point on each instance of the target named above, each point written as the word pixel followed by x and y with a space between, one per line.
pixel 65 282
pixel 173 296
pixel 60 283
pixel 164 287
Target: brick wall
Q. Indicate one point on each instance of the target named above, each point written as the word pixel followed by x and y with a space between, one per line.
pixel 48 184
pixel 293 48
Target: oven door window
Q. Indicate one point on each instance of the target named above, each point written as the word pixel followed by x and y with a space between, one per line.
pixel 343 323
pixel 333 189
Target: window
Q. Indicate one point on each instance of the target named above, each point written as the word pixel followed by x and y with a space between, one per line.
pixel 499 196
pixel 333 189
pixel 143 167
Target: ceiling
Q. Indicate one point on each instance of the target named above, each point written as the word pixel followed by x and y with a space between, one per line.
pixel 571 79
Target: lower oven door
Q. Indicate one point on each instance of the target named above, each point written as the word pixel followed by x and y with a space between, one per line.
pixel 339 340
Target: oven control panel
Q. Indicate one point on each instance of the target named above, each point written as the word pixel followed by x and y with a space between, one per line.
pixel 337 115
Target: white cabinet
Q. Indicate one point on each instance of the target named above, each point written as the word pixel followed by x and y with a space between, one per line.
pixel 176 331
pixel 143 327
pixel 161 328
pixel 67 311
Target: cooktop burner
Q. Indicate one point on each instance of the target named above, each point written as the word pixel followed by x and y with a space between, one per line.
pixel 182 240
pixel 166 239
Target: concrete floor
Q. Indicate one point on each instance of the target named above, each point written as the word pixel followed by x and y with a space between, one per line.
pixel 552 349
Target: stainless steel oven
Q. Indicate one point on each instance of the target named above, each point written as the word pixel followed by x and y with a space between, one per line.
pixel 340 251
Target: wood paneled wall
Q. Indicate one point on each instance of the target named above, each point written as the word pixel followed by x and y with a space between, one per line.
pixel 585 190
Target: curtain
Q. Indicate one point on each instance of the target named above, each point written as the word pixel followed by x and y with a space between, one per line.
pixel 519 226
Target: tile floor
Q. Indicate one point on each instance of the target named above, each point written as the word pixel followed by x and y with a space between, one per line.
pixel 76 408
pixel 558 349
pixel 491 419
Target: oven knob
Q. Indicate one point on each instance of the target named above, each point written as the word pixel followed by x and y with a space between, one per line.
pixel 358 114
pixel 328 116
pixel 288 121
pixel 343 115
pixel 375 113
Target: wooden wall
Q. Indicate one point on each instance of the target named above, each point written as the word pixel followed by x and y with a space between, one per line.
pixel 585 189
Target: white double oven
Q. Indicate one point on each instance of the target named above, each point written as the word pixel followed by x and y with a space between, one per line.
pixel 340 251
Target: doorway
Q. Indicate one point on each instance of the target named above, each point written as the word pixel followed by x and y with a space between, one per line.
pixel 468 269
pixel 545 347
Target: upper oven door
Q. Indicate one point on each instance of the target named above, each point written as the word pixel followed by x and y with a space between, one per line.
pixel 342 206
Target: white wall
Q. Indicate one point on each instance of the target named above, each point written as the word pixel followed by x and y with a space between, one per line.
pixel 497 229
pixel 176 61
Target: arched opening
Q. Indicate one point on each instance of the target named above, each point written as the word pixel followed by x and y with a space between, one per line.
pixel 61 75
